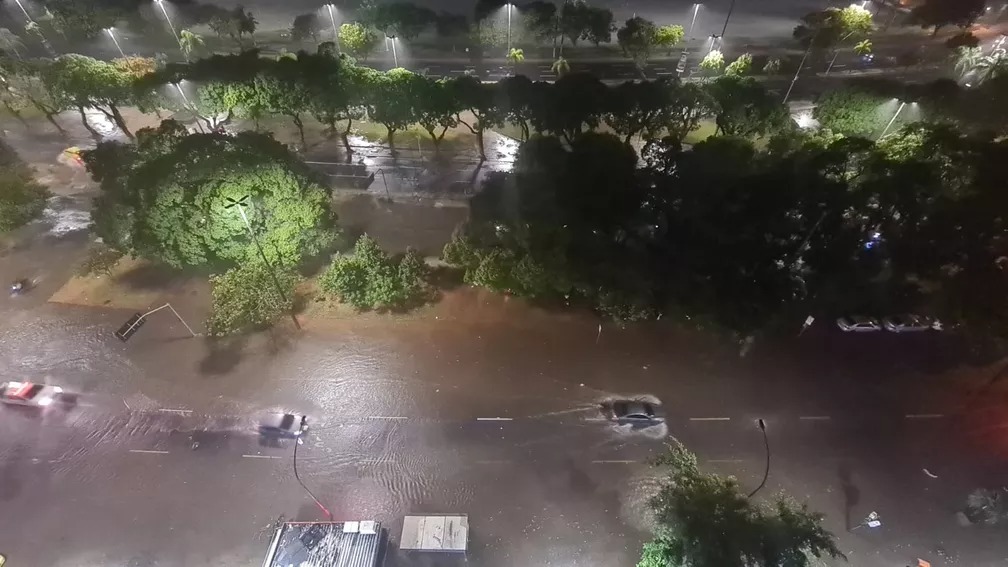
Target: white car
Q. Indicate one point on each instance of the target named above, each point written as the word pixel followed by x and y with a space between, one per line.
pixel 858 324
pixel 910 323
pixel 29 394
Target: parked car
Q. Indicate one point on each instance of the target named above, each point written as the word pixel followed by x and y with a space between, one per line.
pixel 633 412
pixel 908 323
pixel 858 324
pixel 283 425
pixel 29 394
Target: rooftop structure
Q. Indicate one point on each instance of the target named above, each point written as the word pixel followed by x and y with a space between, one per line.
pixel 326 544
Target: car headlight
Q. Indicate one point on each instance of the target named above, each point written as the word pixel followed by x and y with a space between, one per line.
pixel 57 389
pixel 45 401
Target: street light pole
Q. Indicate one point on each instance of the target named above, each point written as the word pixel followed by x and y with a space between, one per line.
pixel 20 5
pixel 728 17
pixel 798 70
pixel 766 471
pixel 170 24
pixel 255 239
pixel 395 58
pixel 116 42
pixel 335 31
pixel 509 28
pixel 696 9
pixel 298 441
pixel 898 110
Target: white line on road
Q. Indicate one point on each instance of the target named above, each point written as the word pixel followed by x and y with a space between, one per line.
pixel 724 460
pixel 262 456
pixel 148 451
pixel 814 418
pixel 613 461
pixel 175 410
pixel 924 415
pixel 710 419
pixel 391 417
pixel 494 419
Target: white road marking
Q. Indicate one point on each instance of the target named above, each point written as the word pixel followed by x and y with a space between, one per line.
pixel 612 461
pixel 494 419
pixel 492 462
pixel 183 411
pixel 814 418
pixel 924 415
pixel 148 451
pixel 725 460
pixel 262 456
pixel 710 419
pixel 391 417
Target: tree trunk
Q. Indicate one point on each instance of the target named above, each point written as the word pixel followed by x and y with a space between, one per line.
pixel 120 121
pixel 626 140
pixel 346 141
pixel 94 133
pixel 479 144
pixel 391 138
pixel 524 131
pixel 52 120
pixel 300 126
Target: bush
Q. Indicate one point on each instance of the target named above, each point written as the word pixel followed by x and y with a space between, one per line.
pixel 371 280
pixel 246 299
pixel 100 260
pixel 21 197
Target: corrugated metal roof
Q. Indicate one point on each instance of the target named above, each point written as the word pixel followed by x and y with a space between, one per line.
pixel 325 544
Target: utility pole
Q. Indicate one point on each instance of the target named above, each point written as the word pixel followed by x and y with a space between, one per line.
pixel 728 17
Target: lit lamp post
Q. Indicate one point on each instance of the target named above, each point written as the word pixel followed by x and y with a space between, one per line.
pixel 240 204
pixel 728 17
pixel 889 125
pixel 25 12
pixel 696 9
pixel 335 30
pixel 115 41
pixel 170 24
pixel 509 6
pixel 766 471
pixel 395 58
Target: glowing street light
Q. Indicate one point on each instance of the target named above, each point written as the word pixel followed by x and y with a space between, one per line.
pixel 335 30
pixel 509 6
pixel 20 5
pixel 115 41
pixel 170 24
pixel 894 116
pixel 395 58
pixel 696 9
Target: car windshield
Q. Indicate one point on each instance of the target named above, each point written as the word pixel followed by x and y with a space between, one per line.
pixel 29 392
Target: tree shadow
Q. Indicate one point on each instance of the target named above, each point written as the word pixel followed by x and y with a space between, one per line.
pixel 223 355
pixel 851 493
pixel 152 276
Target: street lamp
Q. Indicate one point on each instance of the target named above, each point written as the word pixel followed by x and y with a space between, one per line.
pixel 170 24
pixel 894 116
pixel 116 42
pixel 395 58
pixel 20 5
pixel 696 9
pixel 766 471
pixel 302 430
pixel 509 6
pixel 335 30
pixel 240 205
pixel 728 17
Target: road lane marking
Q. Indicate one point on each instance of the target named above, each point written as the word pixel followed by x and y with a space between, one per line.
pixel 814 418
pixel 183 411
pixel 390 417
pixel 494 419
pixel 710 419
pixel 924 415
pixel 148 451
pixel 613 462
pixel 262 456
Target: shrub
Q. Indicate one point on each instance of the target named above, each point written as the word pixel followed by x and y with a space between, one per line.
pixel 21 197
pixel 246 298
pixel 371 280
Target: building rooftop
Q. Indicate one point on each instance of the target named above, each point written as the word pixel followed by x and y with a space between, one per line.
pixel 326 544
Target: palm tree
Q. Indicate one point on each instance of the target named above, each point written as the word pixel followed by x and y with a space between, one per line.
pixel 189 42
pixel 10 42
pixel 560 67
pixel 863 47
pixel 515 56
pixel 991 66
pixel 967 59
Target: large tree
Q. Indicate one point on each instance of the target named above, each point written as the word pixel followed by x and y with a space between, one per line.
pixel 306 26
pixel 636 38
pixel 393 100
pixel 704 520
pixel 336 88
pixel 358 39
pixel 89 83
pixel 745 107
pixel 170 198
pixel 937 14
pixel 400 19
pixel 437 109
pixel 481 102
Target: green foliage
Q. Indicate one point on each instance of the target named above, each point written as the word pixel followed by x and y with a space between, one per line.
pixel 306 26
pixel 937 14
pixel 669 36
pixel 235 24
pixel 745 108
pixel 828 28
pixel 400 19
pixel 358 39
pixel 85 19
pixel 863 47
pixel 86 82
pixel 740 66
pixel 704 520
pixel 773 66
pixel 167 198
pixel 190 42
pixel 369 279
pixel 713 61
pixel 854 112
pixel 245 298
pixel 21 197
pixel 636 38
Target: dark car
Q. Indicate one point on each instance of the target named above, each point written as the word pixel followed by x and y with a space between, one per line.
pixel 633 412
pixel 283 425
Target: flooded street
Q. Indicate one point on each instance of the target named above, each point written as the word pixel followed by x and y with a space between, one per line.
pixel 481 405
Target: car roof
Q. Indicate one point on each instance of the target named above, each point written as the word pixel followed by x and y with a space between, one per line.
pixel 633 407
pixel 862 319
pixel 278 420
